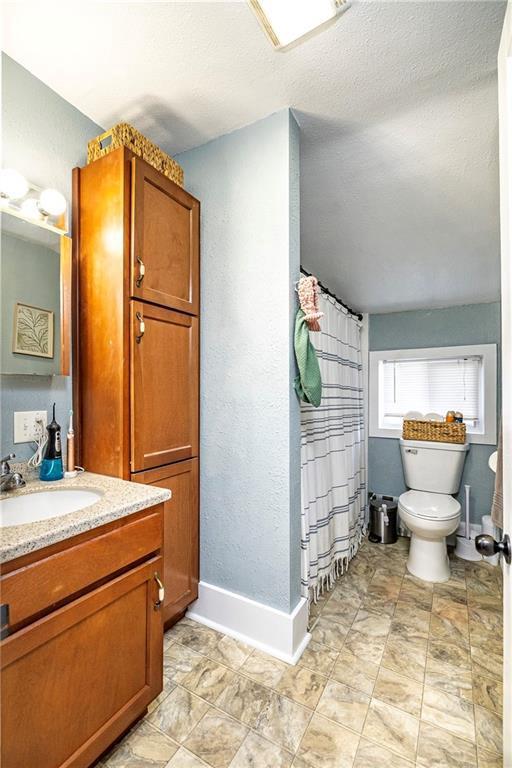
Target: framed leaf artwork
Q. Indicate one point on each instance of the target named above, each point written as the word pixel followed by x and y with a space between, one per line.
pixel 33 331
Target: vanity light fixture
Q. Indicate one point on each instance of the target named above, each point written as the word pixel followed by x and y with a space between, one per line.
pixel 286 21
pixel 52 202
pixel 13 185
pixel 30 208
pixel 45 207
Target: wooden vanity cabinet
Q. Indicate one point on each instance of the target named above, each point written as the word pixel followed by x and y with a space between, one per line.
pixel 136 239
pixel 181 533
pixel 76 676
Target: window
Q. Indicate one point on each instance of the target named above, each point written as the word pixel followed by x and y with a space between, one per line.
pixel 434 381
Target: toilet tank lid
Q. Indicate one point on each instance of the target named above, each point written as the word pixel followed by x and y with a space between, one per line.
pixel 430 445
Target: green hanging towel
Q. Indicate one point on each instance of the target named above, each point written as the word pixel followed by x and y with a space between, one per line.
pixel 308 384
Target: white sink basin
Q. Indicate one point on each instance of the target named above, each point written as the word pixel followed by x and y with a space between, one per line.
pixel 42 505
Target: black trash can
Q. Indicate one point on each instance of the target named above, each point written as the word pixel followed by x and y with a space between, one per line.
pixel 383 520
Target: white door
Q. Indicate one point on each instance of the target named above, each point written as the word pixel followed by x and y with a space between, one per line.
pixel 505 110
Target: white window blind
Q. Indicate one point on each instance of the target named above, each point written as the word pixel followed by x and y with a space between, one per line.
pixel 434 380
pixel 431 385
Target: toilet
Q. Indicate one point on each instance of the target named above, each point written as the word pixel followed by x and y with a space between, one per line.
pixel 432 473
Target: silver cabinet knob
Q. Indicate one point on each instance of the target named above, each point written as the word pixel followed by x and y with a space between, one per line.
pixel 488 546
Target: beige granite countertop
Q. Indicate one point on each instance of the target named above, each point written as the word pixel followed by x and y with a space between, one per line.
pixel 119 499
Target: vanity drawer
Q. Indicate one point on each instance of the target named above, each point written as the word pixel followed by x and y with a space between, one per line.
pixel 35 588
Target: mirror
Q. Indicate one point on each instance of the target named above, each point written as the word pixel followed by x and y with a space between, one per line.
pixel 35 299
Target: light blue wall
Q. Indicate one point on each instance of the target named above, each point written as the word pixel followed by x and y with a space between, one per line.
pixel 295 436
pixel 43 137
pixel 248 185
pixel 470 324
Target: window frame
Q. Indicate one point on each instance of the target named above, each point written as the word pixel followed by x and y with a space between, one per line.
pixel 489 355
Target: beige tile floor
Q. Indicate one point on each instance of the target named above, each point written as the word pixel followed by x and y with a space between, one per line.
pixel 399 673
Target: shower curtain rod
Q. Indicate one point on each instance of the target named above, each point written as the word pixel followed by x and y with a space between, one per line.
pixel 333 295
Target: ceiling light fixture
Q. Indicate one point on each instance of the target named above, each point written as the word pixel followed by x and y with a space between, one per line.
pixel 286 21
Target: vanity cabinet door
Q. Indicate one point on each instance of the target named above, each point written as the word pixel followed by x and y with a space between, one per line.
pixel 75 680
pixel 165 241
pixel 164 386
pixel 181 533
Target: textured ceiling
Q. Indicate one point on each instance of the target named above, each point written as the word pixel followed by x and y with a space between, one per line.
pixel 396 101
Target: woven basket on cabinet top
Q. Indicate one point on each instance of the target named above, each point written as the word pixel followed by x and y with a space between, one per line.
pixel 434 431
pixel 125 135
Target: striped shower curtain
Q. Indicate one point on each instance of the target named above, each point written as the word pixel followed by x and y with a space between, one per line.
pixel 333 474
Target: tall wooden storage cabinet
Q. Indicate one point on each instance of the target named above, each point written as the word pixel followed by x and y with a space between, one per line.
pixel 137 394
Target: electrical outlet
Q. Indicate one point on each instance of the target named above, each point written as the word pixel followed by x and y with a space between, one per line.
pixel 26 426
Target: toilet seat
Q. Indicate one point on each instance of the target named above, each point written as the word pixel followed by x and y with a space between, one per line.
pixel 429 506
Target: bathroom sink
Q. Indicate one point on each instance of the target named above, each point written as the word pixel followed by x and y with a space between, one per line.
pixel 42 505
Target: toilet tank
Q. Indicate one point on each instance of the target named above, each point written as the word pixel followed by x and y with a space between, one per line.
pixel 435 467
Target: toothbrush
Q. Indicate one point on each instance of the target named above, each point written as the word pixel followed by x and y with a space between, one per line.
pixel 70 448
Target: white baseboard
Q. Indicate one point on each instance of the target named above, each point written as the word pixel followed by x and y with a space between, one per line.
pixel 280 634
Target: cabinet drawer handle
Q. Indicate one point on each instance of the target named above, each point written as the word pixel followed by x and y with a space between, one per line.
pixel 142 272
pixel 4 620
pixel 142 327
pixel 161 591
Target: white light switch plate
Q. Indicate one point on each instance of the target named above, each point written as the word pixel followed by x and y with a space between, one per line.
pixel 26 428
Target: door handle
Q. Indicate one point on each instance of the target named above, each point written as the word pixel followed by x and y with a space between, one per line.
pixel 142 272
pixel 142 327
pixel 488 546
pixel 161 591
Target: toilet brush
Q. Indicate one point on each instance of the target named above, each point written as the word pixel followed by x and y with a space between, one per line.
pixel 465 547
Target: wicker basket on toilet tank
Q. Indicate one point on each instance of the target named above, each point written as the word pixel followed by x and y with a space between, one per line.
pixel 434 431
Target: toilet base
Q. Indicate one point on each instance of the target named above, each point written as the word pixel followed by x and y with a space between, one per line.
pixel 428 559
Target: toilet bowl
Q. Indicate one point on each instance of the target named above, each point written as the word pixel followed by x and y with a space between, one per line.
pixel 433 473
pixel 430 517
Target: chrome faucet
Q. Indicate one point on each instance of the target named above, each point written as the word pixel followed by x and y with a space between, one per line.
pixel 9 480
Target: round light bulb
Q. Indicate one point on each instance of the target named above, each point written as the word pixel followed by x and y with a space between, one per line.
pixel 30 208
pixel 52 202
pixel 13 184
